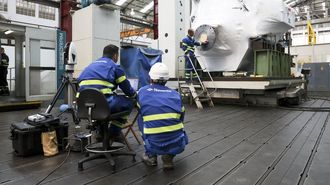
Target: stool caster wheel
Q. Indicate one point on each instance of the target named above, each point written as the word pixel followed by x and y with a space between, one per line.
pixel 134 159
pixel 80 167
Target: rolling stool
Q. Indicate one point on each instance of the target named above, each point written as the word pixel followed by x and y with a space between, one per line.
pixel 93 105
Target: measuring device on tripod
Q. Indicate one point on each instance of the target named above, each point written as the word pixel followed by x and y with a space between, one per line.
pixel 70 60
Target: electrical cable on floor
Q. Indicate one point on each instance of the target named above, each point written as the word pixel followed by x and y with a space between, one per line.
pixel 59 166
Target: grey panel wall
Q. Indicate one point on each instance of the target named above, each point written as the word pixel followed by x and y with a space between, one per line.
pixel 319 80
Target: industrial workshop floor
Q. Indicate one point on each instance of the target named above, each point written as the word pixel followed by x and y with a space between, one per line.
pixel 228 145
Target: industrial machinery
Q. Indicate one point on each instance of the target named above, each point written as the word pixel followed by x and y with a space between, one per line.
pixel 248 52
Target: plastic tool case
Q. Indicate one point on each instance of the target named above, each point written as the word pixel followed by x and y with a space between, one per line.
pixel 26 138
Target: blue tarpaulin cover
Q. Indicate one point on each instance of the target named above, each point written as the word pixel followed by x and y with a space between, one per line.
pixel 137 62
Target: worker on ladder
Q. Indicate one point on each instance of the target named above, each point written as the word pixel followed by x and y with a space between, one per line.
pixel 161 119
pixel 188 46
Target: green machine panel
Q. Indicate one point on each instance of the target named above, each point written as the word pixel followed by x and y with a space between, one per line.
pixel 270 63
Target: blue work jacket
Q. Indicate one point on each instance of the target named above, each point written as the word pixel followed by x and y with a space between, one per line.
pixel 105 75
pixel 188 45
pixel 161 120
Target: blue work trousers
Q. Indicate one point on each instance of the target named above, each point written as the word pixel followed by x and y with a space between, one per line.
pixel 170 143
pixel 189 66
pixel 119 103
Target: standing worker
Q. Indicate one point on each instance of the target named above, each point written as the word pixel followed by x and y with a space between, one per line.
pixel 161 119
pixel 4 62
pixel 188 46
pixel 104 74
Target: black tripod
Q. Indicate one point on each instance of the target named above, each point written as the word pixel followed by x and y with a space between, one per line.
pixel 66 82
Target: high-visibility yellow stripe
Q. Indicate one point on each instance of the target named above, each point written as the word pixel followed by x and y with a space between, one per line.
pixel 106 91
pixel 95 82
pixel 159 130
pixel 183 109
pixel 121 79
pixel 190 49
pixel 161 116
pixel 77 95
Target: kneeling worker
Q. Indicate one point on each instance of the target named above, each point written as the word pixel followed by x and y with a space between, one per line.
pixel 161 119
pixel 104 74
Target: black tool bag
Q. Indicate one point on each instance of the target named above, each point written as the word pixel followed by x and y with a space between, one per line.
pixel 26 138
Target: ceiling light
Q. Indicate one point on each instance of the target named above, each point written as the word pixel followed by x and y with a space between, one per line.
pixel 146 8
pixel 120 2
pixel 132 12
pixel 7 32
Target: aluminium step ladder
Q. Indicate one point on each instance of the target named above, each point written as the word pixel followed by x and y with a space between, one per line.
pixel 191 89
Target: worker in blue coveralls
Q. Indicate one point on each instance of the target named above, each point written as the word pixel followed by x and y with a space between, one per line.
pixel 188 46
pixel 161 119
pixel 105 75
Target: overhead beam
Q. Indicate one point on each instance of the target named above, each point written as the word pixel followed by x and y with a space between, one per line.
pixel 46 3
pixel 315 21
pixel 135 32
pixel 135 21
pixel 125 7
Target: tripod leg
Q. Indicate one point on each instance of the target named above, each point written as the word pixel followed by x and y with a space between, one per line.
pixel 57 95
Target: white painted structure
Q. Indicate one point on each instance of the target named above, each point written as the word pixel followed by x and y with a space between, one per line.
pixel 93 28
pixel 29 20
pixel 173 25
pixel 31 51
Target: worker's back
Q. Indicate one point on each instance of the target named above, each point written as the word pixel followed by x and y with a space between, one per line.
pixel 162 116
pixel 105 75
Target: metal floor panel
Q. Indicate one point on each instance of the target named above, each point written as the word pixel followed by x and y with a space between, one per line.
pixel 228 145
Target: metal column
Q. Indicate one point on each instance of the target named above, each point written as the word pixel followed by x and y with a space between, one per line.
pixel 19 69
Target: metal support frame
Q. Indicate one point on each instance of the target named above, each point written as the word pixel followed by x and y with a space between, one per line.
pixel 203 96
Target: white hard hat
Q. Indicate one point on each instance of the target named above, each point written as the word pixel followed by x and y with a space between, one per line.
pixel 159 71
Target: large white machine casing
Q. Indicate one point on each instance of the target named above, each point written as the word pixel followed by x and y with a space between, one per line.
pixel 235 22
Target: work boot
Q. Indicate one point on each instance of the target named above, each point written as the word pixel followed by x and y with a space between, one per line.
pixel 168 162
pixel 149 161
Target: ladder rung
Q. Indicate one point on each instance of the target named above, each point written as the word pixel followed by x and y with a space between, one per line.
pixel 187 85
pixel 204 99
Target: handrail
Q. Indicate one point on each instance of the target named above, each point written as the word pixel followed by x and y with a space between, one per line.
pixel 210 76
pixel 196 70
